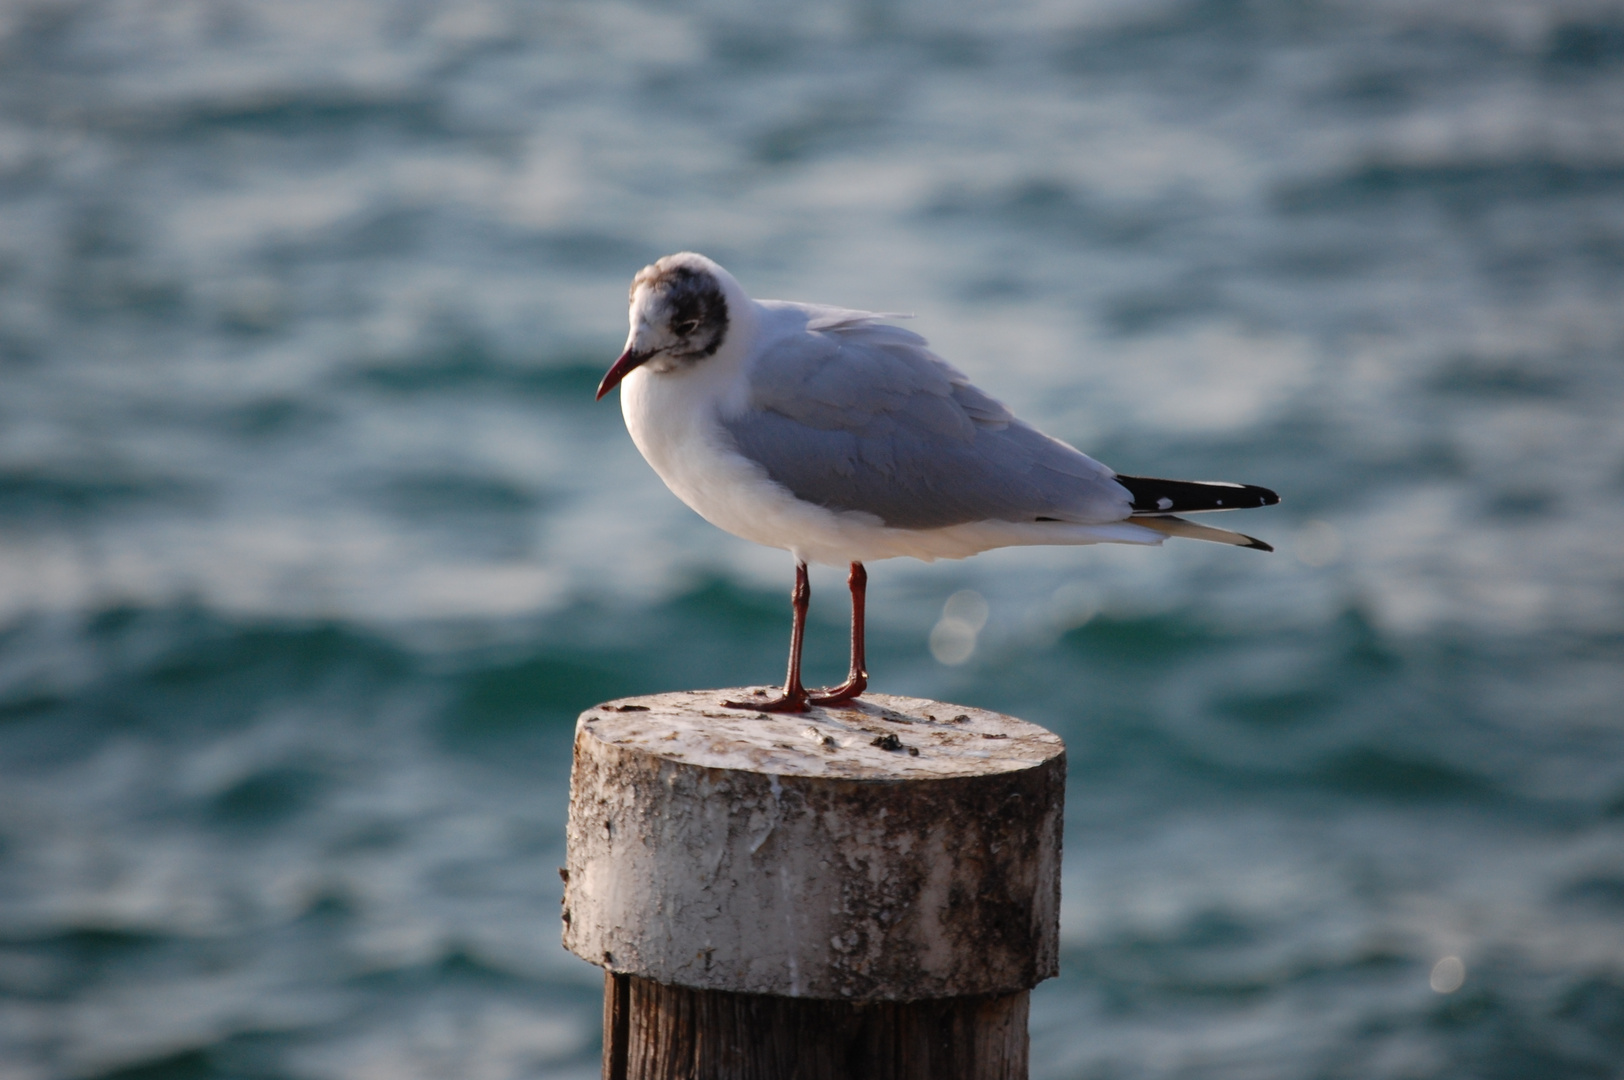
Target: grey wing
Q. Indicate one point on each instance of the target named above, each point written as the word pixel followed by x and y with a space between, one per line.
pixel 857 415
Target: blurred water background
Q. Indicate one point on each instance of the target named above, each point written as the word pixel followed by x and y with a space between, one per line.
pixel 313 542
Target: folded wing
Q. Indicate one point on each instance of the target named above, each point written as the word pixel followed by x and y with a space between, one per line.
pixel 852 414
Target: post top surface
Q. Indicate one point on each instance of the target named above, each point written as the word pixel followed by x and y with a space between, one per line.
pixel 876 737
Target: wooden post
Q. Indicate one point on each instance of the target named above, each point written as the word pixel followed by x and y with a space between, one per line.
pixel 864 891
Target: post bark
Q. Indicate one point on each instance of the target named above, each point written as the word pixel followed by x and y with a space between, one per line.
pixel 865 891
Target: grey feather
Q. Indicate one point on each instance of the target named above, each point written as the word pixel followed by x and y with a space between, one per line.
pixel 852 414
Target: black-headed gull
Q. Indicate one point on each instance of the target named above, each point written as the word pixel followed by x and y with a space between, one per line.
pixel 842 439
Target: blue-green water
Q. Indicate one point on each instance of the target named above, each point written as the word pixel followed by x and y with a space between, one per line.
pixel 313 542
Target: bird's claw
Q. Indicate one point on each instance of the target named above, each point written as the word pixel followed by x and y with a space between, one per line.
pixel 837 695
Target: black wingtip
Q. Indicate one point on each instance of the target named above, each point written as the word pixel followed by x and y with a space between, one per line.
pixel 1256 544
pixel 1155 496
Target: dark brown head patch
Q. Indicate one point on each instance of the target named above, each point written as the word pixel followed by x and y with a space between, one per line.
pixel 694 305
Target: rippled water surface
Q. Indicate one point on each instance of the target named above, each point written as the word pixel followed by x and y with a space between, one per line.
pixel 313 542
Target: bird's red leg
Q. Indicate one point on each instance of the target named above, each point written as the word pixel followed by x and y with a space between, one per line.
pixel 857 679
pixel 793 699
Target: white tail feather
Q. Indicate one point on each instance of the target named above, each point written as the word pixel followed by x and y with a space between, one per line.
pixel 1172 526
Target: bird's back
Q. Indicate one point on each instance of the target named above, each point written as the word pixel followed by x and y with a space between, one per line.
pixel 850 413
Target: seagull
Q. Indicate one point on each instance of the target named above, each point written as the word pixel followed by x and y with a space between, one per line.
pixel 843 439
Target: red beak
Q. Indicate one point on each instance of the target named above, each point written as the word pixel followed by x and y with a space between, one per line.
pixel 629 361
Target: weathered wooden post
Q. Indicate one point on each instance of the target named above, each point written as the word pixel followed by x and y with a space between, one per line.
pixel 862 892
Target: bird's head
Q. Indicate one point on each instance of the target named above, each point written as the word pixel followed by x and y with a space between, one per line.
pixel 679 316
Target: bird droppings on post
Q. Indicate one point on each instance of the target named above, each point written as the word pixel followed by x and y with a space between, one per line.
pixel 825 741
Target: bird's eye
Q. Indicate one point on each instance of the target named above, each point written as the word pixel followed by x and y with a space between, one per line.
pixel 686 327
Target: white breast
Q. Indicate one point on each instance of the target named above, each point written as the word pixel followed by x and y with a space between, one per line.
pixel 672 418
